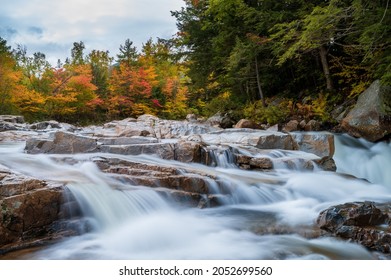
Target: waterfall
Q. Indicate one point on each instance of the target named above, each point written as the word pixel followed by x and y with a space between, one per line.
pixel 364 159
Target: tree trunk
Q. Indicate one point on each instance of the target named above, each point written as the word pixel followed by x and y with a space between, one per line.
pixel 259 83
pixel 326 69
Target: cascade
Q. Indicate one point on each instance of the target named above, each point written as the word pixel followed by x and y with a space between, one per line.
pixel 136 222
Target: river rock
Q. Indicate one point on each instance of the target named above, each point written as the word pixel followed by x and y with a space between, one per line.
pixel 149 126
pixel 188 152
pixel 317 143
pixel 191 118
pixel 6 126
pixel 221 120
pixel 366 223
pixel 168 129
pixel 45 125
pixel 63 143
pixel 162 150
pixel 312 125
pixel 134 140
pixel 249 137
pixel 11 119
pixel 12 124
pixel 292 125
pixel 185 187
pixel 29 209
pixel 371 116
pixel 244 123
pixel 261 163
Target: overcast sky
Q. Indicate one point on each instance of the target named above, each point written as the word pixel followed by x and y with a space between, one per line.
pixel 51 26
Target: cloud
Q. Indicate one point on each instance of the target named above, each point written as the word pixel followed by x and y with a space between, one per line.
pixel 8 32
pixel 51 26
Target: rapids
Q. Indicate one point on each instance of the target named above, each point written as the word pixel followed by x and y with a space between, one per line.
pixel 264 215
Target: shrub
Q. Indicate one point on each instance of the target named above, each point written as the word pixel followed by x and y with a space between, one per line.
pixel 272 114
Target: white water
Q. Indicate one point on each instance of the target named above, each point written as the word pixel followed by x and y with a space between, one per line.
pixel 135 222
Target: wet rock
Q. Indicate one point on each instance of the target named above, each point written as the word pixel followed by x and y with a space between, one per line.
pixel 45 125
pixel 17 136
pixel 134 130
pixel 371 116
pixel 184 187
pixel 320 144
pixel 165 129
pixel 162 150
pixel 29 208
pixel 63 143
pixel 11 119
pixel 366 223
pixel 188 152
pixel 124 128
pixel 261 163
pixel 326 163
pixel 134 140
pixel 249 137
pixel 6 126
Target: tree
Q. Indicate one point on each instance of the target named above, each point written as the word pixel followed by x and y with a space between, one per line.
pixel 345 25
pixel 8 78
pixel 15 96
pixel 77 53
pixel 71 95
pixel 100 63
pixel 128 53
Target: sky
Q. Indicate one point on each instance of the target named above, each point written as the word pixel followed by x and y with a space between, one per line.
pixel 51 26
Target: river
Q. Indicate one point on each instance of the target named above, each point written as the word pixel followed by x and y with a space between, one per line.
pixel 263 215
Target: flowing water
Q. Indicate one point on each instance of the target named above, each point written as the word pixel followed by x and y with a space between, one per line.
pixel 264 215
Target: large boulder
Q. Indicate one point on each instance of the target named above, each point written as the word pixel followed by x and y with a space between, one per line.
pixel 168 129
pixel 371 116
pixel 366 223
pixel 184 186
pixel 29 209
pixel 317 143
pixel 221 120
pixel 63 143
pixel 247 137
pixel 188 152
pixel 162 150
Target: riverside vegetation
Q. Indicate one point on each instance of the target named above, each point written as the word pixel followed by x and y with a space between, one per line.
pixel 263 60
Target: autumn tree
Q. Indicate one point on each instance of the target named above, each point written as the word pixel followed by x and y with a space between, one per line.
pixel 71 96
pixel 100 63
pixel 15 96
pixel 8 78
pixel 150 82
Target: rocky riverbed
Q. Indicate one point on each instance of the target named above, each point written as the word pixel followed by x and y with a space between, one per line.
pixel 173 158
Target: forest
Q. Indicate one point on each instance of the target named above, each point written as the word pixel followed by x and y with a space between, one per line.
pixel 263 60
